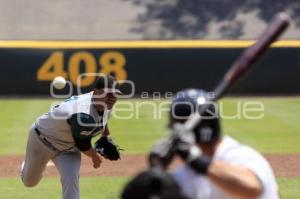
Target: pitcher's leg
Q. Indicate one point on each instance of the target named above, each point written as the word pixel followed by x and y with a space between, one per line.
pixel 68 165
pixel 36 158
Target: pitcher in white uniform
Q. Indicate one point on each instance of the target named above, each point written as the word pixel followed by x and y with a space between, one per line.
pixel 221 168
pixel 63 133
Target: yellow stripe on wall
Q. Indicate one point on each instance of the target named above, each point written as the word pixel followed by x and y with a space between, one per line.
pixel 144 44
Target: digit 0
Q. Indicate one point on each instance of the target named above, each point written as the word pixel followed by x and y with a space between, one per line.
pixel 113 62
pixel 90 65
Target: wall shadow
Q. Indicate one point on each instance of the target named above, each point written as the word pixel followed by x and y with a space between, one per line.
pixel 180 19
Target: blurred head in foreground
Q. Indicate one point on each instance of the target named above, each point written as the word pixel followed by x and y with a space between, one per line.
pixel 152 184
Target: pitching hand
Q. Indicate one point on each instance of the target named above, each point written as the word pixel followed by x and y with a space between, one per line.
pixel 96 160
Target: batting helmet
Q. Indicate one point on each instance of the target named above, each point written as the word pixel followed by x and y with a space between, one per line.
pixel 189 101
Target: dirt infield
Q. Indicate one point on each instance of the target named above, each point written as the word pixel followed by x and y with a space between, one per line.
pixel 284 165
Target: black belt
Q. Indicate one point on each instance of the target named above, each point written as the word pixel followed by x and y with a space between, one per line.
pixel 44 140
pixel 37 131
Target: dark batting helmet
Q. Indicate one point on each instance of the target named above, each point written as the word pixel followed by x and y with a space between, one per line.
pixel 189 101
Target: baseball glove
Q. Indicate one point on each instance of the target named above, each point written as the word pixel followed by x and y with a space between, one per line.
pixel 107 148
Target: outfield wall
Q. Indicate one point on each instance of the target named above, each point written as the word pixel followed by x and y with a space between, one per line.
pixel 154 66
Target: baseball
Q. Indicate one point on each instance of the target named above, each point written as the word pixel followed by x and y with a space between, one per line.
pixel 59 82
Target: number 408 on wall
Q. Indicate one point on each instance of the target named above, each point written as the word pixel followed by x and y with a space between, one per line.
pixel 110 62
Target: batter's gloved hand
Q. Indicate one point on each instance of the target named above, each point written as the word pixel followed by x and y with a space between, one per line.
pixel 187 149
pixel 185 143
pixel 107 148
pixel 162 153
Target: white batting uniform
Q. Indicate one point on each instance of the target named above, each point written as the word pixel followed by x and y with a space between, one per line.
pixel 60 145
pixel 229 150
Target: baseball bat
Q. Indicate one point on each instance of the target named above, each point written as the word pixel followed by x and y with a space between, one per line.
pixel 245 62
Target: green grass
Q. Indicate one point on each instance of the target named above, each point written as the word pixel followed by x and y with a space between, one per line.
pixel 102 188
pixel 276 132
pixel 289 188
pixel 16 117
pixel 91 188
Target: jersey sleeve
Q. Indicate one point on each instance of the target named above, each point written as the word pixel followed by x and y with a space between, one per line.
pixel 82 125
pixel 253 161
pixel 83 144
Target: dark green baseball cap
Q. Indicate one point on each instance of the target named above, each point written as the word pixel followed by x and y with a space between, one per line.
pixel 108 83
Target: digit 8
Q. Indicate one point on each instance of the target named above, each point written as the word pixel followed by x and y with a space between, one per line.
pixel 113 62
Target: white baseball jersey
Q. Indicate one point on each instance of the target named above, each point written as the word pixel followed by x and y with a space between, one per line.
pixel 198 186
pixel 55 124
